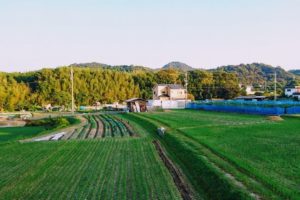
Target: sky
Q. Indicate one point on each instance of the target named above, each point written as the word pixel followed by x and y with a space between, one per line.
pixel 202 33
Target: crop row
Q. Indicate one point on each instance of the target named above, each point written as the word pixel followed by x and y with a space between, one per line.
pixel 96 126
pixel 88 169
pixel 100 126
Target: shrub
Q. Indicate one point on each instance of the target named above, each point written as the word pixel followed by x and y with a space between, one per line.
pixel 50 123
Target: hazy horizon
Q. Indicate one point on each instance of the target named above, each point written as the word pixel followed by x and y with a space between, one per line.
pixel 203 34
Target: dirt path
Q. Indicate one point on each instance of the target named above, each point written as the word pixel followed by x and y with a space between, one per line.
pixel 68 131
pixel 182 187
pixel 100 129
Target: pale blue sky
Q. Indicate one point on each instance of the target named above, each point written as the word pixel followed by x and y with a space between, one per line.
pixel 201 33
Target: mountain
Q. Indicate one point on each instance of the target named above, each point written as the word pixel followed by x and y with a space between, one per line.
pixel 295 72
pixel 179 66
pixel 90 65
pixel 257 73
pixel 127 68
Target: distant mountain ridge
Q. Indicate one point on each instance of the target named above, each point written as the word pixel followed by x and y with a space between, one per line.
pixel 172 65
pixel 295 71
pixel 178 66
pixel 252 74
pixel 258 73
pixel 127 68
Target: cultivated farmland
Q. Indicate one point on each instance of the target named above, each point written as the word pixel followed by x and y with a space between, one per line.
pixel 114 166
pixel 234 156
pixel 95 127
pixel 220 156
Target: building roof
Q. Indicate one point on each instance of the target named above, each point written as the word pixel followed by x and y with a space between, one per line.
pixel 293 87
pixel 135 99
pixel 172 86
pixel 164 95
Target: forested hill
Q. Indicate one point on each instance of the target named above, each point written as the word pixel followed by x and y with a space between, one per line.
pixel 258 73
pixel 178 66
pixel 295 72
pixel 104 83
pixel 127 68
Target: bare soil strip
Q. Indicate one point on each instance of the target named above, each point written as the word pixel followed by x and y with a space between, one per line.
pixel 87 132
pixel 176 174
pixel 75 135
pixel 92 133
pixel 100 128
pixel 70 135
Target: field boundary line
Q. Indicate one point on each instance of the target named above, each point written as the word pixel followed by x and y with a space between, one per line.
pixel 223 171
pixel 175 173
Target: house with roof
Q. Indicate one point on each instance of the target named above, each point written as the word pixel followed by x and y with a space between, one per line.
pixel 292 91
pixel 166 92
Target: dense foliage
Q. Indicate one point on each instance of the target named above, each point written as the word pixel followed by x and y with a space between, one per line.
pixel 50 123
pixel 260 75
pixel 107 85
pixel 96 82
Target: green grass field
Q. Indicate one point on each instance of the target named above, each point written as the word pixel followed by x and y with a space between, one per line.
pixel 18 133
pixel 106 168
pixel 222 156
pixel 261 154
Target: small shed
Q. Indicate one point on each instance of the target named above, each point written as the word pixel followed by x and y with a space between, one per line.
pixel 136 105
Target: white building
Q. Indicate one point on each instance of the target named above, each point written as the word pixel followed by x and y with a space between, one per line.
pixel 292 91
pixel 165 92
pixel 249 90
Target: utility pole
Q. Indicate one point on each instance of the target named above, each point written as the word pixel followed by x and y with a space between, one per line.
pixel 186 89
pixel 275 87
pixel 72 90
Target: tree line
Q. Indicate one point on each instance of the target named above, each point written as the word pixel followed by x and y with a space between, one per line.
pixel 31 90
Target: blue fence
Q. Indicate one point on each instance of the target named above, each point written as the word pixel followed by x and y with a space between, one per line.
pixel 249 107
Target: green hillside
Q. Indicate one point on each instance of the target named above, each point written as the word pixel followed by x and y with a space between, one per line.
pixel 258 73
pixel 178 66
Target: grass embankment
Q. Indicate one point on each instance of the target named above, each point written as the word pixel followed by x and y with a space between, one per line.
pixel 108 168
pixel 260 153
pixel 207 182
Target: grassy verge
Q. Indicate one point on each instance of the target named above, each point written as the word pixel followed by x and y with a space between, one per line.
pixel 208 182
pixel 258 152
